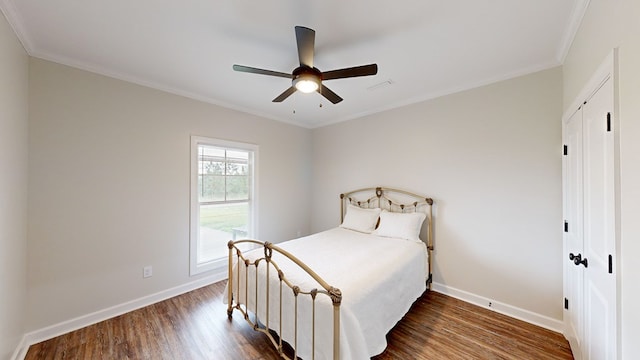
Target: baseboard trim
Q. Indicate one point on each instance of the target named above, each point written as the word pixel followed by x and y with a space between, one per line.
pixel 64 327
pixel 21 350
pixel 502 308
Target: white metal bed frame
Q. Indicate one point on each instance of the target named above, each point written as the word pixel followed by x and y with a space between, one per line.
pixel 384 198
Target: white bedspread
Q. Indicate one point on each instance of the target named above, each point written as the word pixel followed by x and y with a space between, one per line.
pixel 379 279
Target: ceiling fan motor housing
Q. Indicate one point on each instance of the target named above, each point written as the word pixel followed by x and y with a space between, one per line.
pixel 306 79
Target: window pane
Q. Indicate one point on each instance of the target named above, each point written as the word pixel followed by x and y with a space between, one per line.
pixel 212 152
pixel 238 156
pixel 213 167
pixel 237 188
pixel 237 168
pixel 220 223
pixel 212 188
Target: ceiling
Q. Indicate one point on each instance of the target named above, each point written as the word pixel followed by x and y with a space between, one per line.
pixel 423 48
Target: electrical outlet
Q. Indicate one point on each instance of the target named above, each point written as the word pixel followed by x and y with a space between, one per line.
pixel 147 271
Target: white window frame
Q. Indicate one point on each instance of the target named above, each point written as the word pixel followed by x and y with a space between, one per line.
pixel 218 264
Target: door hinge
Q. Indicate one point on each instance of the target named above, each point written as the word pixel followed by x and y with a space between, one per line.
pixel 566 303
pixel 608 121
pixel 564 150
pixel 610 264
pixel 566 226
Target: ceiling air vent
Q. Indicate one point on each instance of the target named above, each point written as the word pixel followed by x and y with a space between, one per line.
pixel 381 85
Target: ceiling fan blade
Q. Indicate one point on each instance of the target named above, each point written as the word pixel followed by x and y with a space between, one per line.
pixel 253 70
pixel 285 94
pixel 364 70
pixel 306 39
pixel 330 95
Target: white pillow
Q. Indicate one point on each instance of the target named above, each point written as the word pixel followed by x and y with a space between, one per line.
pixel 400 225
pixel 359 219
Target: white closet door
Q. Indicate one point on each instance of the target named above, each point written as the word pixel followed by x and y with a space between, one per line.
pixel 573 209
pixel 599 229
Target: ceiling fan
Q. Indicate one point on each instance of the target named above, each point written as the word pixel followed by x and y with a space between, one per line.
pixel 306 78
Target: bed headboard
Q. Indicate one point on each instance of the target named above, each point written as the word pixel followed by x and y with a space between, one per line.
pixel 393 200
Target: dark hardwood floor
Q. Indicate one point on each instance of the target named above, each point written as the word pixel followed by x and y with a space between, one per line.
pixel 195 326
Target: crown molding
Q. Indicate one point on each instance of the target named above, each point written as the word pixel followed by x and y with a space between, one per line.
pixel 15 21
pixel 449 91
pixel 577 14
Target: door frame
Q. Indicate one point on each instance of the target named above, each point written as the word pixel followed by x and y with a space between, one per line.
pixel 608 70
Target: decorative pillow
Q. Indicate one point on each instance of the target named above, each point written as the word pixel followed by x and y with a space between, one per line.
pixel 400 225
pixel 359 219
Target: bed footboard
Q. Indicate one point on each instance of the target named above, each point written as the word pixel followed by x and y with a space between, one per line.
pixel 239 266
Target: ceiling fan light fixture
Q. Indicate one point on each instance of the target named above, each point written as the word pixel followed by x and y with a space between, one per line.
pixel 306 83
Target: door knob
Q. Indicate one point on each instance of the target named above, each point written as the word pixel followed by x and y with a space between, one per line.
pixel 579 260
pixel 571 256
pixel 583 262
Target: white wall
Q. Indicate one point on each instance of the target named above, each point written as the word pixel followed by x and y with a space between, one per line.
pixel 109 187
pixel 14 77
pixel 491 159
pixel 608 24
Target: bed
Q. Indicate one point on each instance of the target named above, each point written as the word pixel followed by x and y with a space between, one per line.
pixel 337 293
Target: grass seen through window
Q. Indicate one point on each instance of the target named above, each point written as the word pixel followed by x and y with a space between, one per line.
pixel 224 217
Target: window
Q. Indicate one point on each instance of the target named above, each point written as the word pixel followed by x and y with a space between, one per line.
pixel 222 199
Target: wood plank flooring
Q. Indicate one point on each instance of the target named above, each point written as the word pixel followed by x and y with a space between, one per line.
pixel 195 326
